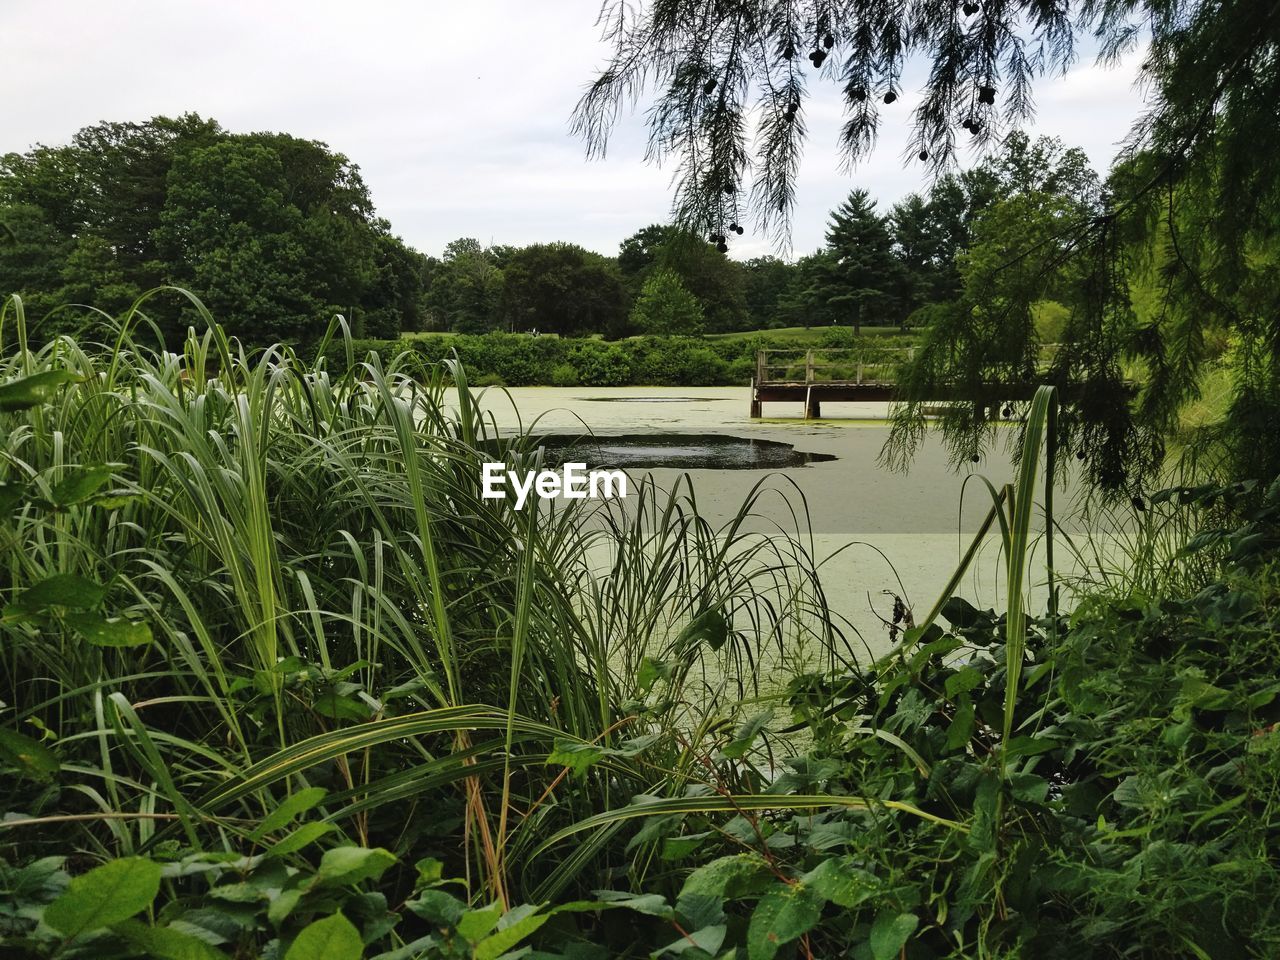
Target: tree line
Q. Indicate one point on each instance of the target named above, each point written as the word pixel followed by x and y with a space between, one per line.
pixel 275 234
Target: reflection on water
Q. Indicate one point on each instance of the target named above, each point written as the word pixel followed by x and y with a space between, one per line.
pixel 682 451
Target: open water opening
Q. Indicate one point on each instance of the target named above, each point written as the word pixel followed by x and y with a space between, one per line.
pixel 677 451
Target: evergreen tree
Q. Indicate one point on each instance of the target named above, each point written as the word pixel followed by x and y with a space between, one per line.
pixel 861 276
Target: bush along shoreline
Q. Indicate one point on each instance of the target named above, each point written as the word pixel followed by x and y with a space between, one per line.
pixel 518 360
pixel 277 684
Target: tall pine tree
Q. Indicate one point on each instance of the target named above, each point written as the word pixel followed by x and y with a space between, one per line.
pixel 861 276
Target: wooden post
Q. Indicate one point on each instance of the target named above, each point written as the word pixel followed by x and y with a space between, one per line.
pixel 812 406
pixel 808 366
pixel 755 400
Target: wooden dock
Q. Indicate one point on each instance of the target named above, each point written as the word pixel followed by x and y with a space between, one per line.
pixel 835 375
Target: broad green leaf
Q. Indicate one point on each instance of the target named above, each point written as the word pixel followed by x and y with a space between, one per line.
pixel 781 916
pixel 890 933
pixel 113 503
pixel 104 896
pixel 697 911
pixel 677 848
pixel 61 590
pixel 506 937
pixel 333 938
pixel 32 758
pixel 283 815
pixel 578 757
pixel 283 905
pixel 961 613
pixel 102 632
pixel 242 892
pixel 710 627
pixel 727 877
pixel 839 881
pixel 635 746
pixel 651 671
pixel 476 924
pixel 986 800
pixel 1028 787
pixel 650 904
pixel 305 835
pixel 437 908
pixel 1029 747
pixel 213 924
pixel 708 940
pixel 33 390
pixel 78 484
pixel 962 726
pixel 40 880
pixel 340 708
pixel 430 872
pixel 963 681
pixel 745 735
pixel 165 943
pixel 344 866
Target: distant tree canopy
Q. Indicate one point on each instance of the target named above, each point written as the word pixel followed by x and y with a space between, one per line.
pixel 274 233
pixel 713 279
pixel 562 288
pixel 466 289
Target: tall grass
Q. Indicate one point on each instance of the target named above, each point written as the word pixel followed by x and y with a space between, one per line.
pixel 322 577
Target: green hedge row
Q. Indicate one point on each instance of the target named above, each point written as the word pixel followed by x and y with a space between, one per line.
pixel 518 360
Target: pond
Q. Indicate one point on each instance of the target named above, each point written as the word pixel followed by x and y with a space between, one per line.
pixel 878 533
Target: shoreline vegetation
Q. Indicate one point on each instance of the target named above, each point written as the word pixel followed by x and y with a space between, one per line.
pixel 277 683
pixel 519 360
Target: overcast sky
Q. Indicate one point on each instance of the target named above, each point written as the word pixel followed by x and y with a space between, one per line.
pixel 456 113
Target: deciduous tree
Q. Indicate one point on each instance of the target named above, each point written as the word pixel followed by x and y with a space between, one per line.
pixel 666 307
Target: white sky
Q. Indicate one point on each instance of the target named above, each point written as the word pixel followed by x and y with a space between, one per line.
pixel 456 113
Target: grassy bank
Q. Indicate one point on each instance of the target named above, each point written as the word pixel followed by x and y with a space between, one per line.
pixel 278 683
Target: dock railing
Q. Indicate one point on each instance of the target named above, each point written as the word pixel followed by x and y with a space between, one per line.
pixel 876 365
pixel 872 364
pixel 868 372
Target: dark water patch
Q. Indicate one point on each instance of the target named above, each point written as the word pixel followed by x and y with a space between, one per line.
pixel 679 451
